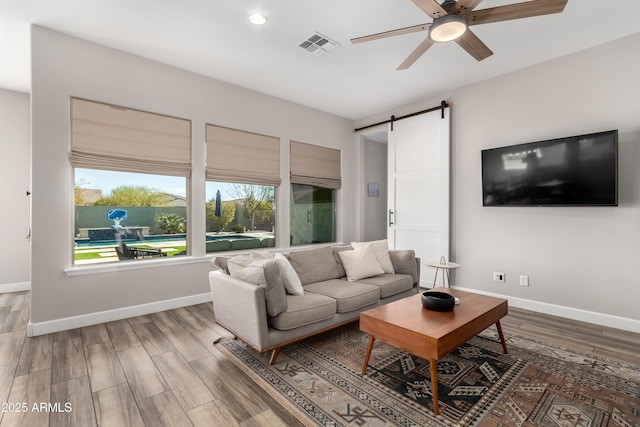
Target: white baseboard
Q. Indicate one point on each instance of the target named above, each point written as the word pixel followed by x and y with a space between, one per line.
pixel 57 325
pixel 567 312
pixel 15 287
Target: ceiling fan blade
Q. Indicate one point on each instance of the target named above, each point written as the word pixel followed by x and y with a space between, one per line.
pixel 417 53
pixel 464 7
pixel 474 46
pixel 399 31
pixel 432 8
pixel 516 11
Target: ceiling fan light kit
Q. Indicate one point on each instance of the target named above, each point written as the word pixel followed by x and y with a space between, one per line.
pixel 451 21
pixel 448 28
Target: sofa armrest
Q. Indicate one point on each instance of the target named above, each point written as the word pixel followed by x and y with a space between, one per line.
pixel 240 307
pixel 405 262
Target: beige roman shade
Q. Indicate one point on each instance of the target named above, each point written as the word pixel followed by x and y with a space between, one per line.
pixel 114 138
pixel 315 165
pixel 242 157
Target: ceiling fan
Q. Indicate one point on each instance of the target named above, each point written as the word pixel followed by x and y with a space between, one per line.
pixel 451 21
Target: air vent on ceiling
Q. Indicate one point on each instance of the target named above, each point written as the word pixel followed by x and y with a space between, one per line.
pixel 318 44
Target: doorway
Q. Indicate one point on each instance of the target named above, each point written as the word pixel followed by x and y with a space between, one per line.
pixel 374 149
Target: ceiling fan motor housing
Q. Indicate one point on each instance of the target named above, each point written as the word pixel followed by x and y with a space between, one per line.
pixel 448 5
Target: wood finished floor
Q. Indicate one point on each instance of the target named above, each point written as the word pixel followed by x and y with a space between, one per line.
pixel 162 369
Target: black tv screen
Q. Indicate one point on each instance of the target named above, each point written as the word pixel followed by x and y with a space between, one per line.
pixel 575 171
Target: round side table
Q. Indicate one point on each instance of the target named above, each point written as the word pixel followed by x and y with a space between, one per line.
pixel 449 265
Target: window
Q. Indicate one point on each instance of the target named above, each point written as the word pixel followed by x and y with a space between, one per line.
pixel 131 169
pixel 241 217
pixel 312 214
pixel 315 177
pixel 145 212
pixel 243 170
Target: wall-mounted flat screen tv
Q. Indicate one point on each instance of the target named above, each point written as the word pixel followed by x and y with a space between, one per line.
pixel 575 171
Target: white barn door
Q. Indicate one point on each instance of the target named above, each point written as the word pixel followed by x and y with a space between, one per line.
pixel 418 188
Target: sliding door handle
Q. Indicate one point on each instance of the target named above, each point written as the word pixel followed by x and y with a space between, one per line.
pixel 390 220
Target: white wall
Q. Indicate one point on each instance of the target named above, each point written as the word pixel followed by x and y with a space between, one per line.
pixel 580 261
pixel 14 182
pixel 64 66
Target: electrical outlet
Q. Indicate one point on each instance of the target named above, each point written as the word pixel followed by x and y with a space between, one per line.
pixel 524 280
pixel 498 277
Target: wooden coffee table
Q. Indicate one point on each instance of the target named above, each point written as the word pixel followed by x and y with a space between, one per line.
pixel 428 334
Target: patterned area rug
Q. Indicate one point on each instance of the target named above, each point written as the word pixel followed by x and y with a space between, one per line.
pixel 536 384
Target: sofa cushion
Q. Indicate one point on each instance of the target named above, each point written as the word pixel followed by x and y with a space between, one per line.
pixel 265 273
pixel 381 250
pixel 360 263
pixel 303 310
pixel 404 262
pixel 390 284
pixel 238 244
pixel 314 265
pixel 348 295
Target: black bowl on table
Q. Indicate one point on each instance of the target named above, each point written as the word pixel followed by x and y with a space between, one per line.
pixel 438 301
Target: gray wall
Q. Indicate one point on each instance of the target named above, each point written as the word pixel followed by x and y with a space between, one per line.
pixel 64 66
pixel 14 202
pixel 578 259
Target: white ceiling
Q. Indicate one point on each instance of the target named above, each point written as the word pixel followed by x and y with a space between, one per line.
pixel 215 38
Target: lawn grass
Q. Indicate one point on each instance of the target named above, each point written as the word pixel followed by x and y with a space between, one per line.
pixel 86 255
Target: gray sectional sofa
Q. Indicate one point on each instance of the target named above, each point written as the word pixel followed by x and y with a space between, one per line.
pixel 329 299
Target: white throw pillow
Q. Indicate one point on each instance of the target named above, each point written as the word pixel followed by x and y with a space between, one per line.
pixel 381 250
pixel 360 264
pixel 289 276
pixel 265 254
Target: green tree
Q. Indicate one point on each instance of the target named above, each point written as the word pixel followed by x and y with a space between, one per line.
pixel 79 188
pixel 77 194
pixel 132 195
pixel 170 223
pixel 228 213
pixel 256 199
pixel 264 214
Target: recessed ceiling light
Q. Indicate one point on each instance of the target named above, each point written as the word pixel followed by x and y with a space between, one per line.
pixel 257 19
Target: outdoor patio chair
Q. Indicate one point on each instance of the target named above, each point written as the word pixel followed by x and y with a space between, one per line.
pixel 125 252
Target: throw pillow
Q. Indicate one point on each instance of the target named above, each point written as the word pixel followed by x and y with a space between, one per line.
pixel 261 254
pixel 336 250
pixel 381 250
pixel 220 262
pixel 265 273
pixel 360 264
pixel 404 262
pixel 289 276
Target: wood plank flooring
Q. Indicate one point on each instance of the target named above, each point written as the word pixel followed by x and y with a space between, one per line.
pixel 162 369
pixel 155 370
